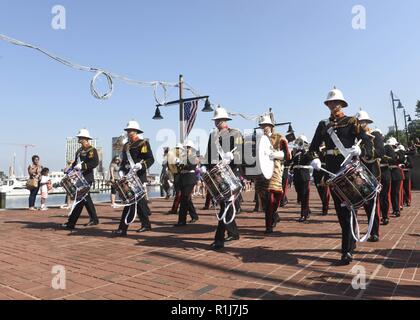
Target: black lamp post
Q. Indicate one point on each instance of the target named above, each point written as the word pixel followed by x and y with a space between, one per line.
pixel 400 106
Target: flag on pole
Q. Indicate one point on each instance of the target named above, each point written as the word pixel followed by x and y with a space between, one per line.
pixel 190 114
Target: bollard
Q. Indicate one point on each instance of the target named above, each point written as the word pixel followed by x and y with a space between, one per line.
pixel 3 200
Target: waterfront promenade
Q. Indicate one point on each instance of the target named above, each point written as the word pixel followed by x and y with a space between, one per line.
pixel 296 262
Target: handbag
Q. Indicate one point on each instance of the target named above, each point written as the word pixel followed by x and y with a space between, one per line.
pixel 32 184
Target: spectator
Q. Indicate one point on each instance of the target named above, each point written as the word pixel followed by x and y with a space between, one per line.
pixel 45 185
pixel 34 171
pixel 113 174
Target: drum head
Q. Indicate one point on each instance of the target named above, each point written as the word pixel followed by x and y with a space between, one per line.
pixel 264 163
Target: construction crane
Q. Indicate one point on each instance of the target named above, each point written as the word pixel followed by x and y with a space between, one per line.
pixel 26 146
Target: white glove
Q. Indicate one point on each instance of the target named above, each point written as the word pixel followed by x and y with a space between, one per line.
pixel 277 155
pixel 356 151
pixel 78 167
pixel 228 157
pixel 177 161
pixel 316 164
pixel 138 166
pixel 121 174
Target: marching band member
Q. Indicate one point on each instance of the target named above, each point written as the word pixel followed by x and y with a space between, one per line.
pixel 89 160
pixel 347 129
pixel 396 178
pixel 177 201
pixel 320 179
pixel 374 167
pixel 274 188
pixel 229 139
pixel 301 175
pixel 187 181
pixel 407 166
pixel 137 156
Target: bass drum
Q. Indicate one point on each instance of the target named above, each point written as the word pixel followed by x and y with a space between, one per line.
pixel 264 163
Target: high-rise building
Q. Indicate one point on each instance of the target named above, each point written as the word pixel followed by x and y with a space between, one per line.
pixel 117 146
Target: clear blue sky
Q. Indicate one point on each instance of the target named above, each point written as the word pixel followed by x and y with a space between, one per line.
pixel 247 55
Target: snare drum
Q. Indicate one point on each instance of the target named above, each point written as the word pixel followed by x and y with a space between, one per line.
pixel 222 183
pixel 130 189
pixel 75 185
pixel 355 185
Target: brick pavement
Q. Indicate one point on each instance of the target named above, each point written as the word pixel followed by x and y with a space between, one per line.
pixel 296 262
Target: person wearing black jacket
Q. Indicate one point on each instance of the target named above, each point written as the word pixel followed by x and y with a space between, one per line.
pixel 229 139
pixel 301 176
pixel 86 161
pixel 373 166
pixel 407 166
pixel 397 177
pixel 187 181
pixel 141 154
pixel 348 130
pixel 386 154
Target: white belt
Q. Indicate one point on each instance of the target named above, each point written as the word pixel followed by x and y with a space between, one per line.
pixel 188 171
pixel 384 165
pixel 302 167
pixel 394 167
pixel 334 152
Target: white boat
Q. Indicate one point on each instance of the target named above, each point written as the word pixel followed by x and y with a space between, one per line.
pixel 14 187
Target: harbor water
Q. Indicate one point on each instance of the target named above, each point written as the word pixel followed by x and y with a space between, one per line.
pixel 55 200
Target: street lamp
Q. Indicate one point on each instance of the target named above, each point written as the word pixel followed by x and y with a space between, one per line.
pixel 180 103
pixel 400 106
pixel 407 117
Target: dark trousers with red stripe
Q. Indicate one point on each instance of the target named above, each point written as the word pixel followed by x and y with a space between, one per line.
pixel 272 203
pixel 187 206
pixel 177 202
pixel 285 186
pixel 302 189
pixel 348 243
pixel 407 190
pixel 325 195
pixel 232 228
pixel 368 209
pixel 385 197
pixel 396 187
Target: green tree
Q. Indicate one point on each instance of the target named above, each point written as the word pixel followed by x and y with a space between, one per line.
pixel 418 109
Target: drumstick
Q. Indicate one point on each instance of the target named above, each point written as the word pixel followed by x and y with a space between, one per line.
pixel 330 173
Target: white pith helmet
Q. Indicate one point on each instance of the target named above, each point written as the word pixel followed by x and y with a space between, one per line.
pixel 401 148
pixel 363 116
pixel 266 120
pixel 179 146
pixel 378 130
pixel 84 133
pixel 336 95
pixel 133 125
pixel 189 144
pixel 221 114
pixel 392 141
pixel 302 138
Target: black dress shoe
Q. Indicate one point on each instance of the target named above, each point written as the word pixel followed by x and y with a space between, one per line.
pixel 397 214
pixel 373 238
pixel 144 229
pixel 67 226
pixel 180 225
pixel 217 246
pixel 91 223
pixel 303 219
pixel 268 231
pixel 119 233
pixel 385 221
pixel 194 220
pixel 346 259
pixel 231 238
